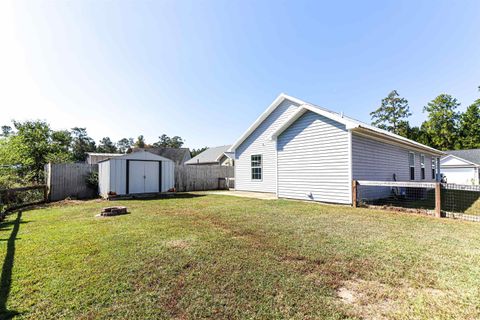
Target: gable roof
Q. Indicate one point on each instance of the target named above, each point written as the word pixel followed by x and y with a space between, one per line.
pixel 472 155
pixel 178 155
pixel 350 124
pixel 211 155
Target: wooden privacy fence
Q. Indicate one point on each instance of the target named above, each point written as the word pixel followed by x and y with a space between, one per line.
pixel 69 180
pixel 439 199
pixel 15 198
pixel 205 177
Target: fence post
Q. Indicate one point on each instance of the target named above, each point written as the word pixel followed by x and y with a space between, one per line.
pixel 354 193
pixel 438 200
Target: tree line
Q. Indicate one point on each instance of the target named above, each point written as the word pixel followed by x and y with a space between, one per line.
pixel 445 127
pixel 27 146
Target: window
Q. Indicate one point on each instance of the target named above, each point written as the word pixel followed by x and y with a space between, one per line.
pixel 422 166
pixel 433 168
pixel 256 164
pixel 411 162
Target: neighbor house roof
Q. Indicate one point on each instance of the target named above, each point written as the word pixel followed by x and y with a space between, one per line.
pixel 211 155
pixel 472 155
pixel 350 123
pixel 178 155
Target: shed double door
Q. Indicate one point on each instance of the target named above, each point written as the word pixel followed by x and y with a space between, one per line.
pixel 144 176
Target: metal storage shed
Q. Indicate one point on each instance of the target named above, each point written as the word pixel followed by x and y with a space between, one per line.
pixel 135 173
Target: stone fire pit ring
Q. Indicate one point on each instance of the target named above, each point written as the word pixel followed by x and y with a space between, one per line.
pixel 113 211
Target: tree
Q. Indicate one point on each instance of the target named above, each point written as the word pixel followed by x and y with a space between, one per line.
pixel 176 142
pixel 81 144
pixel 418 134
pixel 24 153
pixel 441 127
pixel 470 127
pixel 140 143
pixel 392 114
pixel 6 131
pixel 196 152
pixel 167 142
pixel 124 145
pixel 61 147
pixel 164 141
pixel 106 146
pixel 34 138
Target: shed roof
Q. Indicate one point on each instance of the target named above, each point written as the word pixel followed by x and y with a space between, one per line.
pixel 211 155
pixel 471 155
pixel 105 154
pixel 350 123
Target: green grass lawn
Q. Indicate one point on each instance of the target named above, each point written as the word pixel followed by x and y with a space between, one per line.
pixel 224 257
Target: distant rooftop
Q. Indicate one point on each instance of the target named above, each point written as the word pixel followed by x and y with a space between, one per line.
pixel 472 155
pixel 211 155
pixel 178 155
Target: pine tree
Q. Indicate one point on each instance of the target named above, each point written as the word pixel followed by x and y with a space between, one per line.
pixel 392 114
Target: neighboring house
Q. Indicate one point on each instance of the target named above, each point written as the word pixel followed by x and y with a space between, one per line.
pixel 298 150
pixel 461 166
pixel 212 156
pixel 177 155
pixel 94 158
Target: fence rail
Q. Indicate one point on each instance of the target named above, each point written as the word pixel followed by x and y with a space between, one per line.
pixel 16 198
pixel 439 199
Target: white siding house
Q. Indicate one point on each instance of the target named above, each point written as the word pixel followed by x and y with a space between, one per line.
pixel 461 166
pixel 135 173
pixel 258 142
pixel 302 151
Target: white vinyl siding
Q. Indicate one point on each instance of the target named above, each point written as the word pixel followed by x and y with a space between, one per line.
pixel 380 161
pixel 313 160
pixel 259 142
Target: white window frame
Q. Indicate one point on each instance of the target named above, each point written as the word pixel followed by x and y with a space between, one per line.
pixel 256 167
pixel 410 166
pixel 422 167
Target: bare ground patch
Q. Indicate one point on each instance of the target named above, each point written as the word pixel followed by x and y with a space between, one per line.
pixel 178 244
pixel 377 301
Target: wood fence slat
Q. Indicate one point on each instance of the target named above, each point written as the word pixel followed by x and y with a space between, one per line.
pixel 198 178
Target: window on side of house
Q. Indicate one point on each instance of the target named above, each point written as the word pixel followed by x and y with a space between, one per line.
pixel 422 166
pixel 411 163
pixel 434 169
pixel 256 164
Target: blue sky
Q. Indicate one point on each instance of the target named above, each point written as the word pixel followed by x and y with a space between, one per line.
pixel 205 70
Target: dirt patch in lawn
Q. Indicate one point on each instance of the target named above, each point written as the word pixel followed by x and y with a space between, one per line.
pixel 378 301
pixel 178 244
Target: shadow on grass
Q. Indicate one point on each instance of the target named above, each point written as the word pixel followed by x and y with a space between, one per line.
pixel 6 276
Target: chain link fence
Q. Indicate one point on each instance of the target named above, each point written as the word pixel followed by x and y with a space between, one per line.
pixel 441 199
